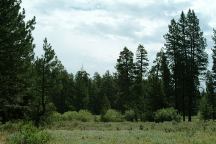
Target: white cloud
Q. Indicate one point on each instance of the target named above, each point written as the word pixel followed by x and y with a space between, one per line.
pixel 93 32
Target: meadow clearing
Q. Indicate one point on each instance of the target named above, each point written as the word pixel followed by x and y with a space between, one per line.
pixel 74 132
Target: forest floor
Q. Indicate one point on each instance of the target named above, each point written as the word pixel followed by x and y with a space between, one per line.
pixel 67 132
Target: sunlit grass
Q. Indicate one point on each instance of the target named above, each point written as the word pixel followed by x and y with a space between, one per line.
pixel 74 132
pixel 130 137
pixel 2 138
pixel 130 133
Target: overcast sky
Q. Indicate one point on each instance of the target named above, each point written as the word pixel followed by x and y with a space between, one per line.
pixel 93 32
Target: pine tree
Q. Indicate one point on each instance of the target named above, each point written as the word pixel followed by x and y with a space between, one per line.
pixel 166 80
pixel 82 90
pixel 197 57
pixel 185 47
pixel 173 54
pixel 139 92
pixel 214 56
pixel 125 74
pixel 109 89
pixel 210 92
pixel 16 55
pixel 95 94
pixel 155 99
pixel 44 85
pixel 213 100
pixel 141 62
pixel 183 42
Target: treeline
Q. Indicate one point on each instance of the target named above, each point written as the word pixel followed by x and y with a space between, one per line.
pixel 31 87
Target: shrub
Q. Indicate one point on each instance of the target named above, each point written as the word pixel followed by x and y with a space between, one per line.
pixel 28 134
pixel 112 116
pixel 11 126
pixel 70 115
pixel 85 116
pixel 55 116
pixel 206 110
pixel 167 114
pixel 97 118
pixel 130 115
pixel 82 115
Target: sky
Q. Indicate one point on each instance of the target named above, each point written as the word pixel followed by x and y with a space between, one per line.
pixel 91 33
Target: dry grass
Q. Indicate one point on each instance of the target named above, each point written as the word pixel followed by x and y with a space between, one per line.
pixel 2 138
pixel 74 132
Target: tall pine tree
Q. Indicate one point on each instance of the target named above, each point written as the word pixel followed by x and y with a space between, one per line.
pixel 125 74
pixel 185 47
pixel 16 55
pixel 44 85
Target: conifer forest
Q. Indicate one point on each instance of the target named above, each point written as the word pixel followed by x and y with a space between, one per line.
pixel 171 100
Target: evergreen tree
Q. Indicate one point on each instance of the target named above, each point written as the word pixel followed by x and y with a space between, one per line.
pixel 173 54
pixel 62 94
pixel 167 81
pixel 213 99
pixel 197 57
pixel 44 67
pixel 183 42
pixel 69 92
pixel 141 62
pixel 155 99
pixel 16 55
pixel 139 91
pixel 109 90
pixel 214 56
pixel 210 92
pixel 125 74
pixel 82 90
pixel 95 94
pixel 156 83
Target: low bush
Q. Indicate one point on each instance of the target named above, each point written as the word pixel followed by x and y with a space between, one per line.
pixel 97 118
pixel 70 115
pixel 130 115
pixel 112 116
pixel 11 126
pixel 205 109
pixel 167 114
pixel 85 116
pixel 82 115
pixel 55 116
pixel 28 134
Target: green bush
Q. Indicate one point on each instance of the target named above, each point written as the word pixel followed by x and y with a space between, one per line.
pixel 167 114
pixel 205 109
pixel 55 116
pixel 112 116
pixel 97 118
pixel 85 116
pixel 11 126
pixel 130 115
pixel 28 134
pixel 82 115
pixel 70 115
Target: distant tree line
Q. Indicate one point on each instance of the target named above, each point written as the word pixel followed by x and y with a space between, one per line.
pixel 31 87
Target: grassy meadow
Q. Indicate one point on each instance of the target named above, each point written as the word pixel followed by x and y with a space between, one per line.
pixel 74 132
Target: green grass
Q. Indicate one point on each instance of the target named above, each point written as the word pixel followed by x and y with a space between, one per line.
pixel 3 137
pixel 68 132
pixel 133 133
pixel 130 137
